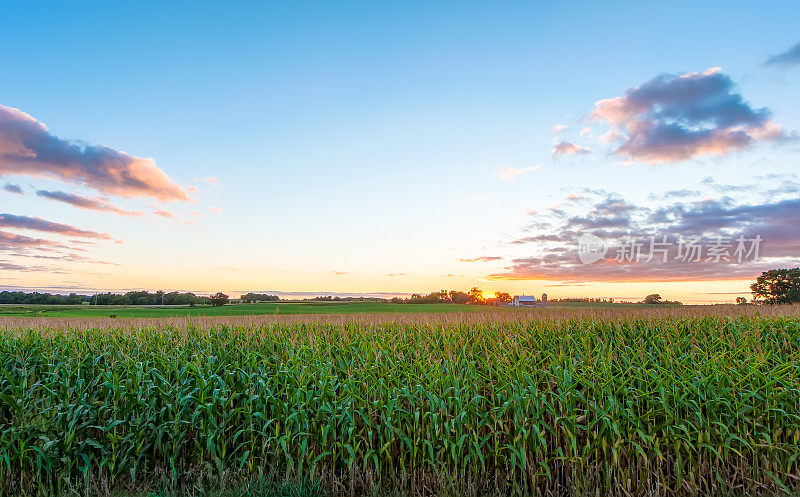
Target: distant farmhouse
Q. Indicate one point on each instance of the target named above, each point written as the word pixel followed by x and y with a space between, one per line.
pixel 528 301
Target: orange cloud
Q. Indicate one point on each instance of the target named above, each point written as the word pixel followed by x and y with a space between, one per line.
pixel 167 214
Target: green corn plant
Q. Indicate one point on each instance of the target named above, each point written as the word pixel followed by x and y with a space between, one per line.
pixel 639 405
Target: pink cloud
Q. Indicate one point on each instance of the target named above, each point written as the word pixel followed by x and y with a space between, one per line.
pixel 12 239
pixel 165 213
pixel 674 118
pixel 39 224
pixel 567 148
pixel 214 210
pixel 90 203
pixel 28 148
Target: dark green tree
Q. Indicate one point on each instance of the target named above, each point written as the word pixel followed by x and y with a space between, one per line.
pixel 653 298
pixel 219 299
pixel 777 286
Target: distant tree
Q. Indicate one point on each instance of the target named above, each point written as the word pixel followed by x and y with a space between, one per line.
pixel 777 286
pixel 502 297
pixel 459 297
pixel 653 298
pixel 741 300
pixel 219 299
pixel 258 297
pixel 476 296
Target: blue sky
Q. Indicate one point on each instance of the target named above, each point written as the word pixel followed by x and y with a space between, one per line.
pixel 351 141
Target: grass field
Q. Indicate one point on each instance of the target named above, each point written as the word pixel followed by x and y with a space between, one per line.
pixel 229 310
pixel 680 401
pixel 267 308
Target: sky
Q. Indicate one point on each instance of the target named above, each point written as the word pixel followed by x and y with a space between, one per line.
pixel 372 148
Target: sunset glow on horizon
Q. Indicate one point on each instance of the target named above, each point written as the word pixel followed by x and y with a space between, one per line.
pixel 388 150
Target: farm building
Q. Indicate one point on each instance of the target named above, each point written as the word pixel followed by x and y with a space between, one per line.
pixel 529 301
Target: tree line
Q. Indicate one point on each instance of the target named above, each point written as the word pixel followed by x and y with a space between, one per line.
pixel 129 298
pixel 251 297
pixel 473 296
pixel 777 286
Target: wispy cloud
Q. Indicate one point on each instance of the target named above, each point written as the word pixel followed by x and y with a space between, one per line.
pixel 673 194
pixel 165 213
pixel 18 241
pixel 484 258
pixel 511 173
pixel 613 218
pixel 28 148
pixel 790 57
pixel 10 266
pixel 568 148
pixel 673 118
pixel 11 188
pixel 89 203
pixel 39 224
pixel 69 257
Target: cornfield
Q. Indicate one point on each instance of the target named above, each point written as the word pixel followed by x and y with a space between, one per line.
pixel 675 403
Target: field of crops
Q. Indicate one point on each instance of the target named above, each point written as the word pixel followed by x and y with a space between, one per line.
pixel 144 311
pixel 664 402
